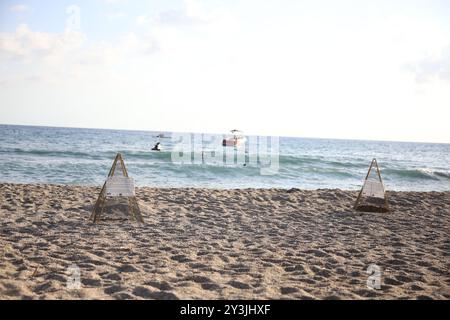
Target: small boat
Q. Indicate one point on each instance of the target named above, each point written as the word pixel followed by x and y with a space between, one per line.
pixel 237 139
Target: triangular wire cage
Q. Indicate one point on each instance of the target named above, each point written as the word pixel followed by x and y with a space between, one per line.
pixel 372 197
pixel 133 206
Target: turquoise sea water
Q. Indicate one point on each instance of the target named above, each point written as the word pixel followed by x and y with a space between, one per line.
pixel 84 157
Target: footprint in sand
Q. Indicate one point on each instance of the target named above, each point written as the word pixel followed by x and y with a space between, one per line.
pixel 123 296
pixel 366 293
pixel 113 276
pixel 197 265
pixel 56 277
pixel 156 295
pixel 180 258
pixel 239 285
pixel 288 290
pixel 293 268
pixel 127 268
pixel 403 279
pixel 114 289
pixel 45 287
pixel 416 288
pixel 392 282
pixel 211 286
pixel 163 285
pixel 198 279
pixel 91 282
pixel 240 268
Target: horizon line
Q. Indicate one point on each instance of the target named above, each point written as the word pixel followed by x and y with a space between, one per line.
pixel 174 131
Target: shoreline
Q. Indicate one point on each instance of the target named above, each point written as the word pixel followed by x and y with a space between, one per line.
pixel 213 133
pixel 217 188
pixel 222 244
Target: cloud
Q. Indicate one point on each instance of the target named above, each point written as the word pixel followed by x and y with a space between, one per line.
pixel 433 67
pixel 127 46
pixel 59 57
pixel 192 13
pixel 19 8
pixel 26 44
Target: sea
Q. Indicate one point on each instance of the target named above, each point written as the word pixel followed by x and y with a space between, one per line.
pixel 72 156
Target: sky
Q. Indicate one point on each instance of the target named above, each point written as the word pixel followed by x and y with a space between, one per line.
pixel 377 70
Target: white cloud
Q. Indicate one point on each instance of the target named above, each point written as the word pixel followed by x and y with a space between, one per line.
pixel 128 46
pixel 192 13
pixel 19 8
pixel 27 44
pixel 61 57
pixel 433 67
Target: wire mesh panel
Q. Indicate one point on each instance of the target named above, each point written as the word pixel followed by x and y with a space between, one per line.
pixel 373 189
pixel 118 186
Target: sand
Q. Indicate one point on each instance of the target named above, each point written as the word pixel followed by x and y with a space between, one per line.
pixel 222 244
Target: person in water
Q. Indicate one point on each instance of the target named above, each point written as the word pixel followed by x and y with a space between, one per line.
pixel 157 147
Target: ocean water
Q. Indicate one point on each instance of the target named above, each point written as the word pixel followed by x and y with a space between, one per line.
pixel 84 157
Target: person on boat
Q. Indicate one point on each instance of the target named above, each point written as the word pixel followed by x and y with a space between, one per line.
pixel 157 147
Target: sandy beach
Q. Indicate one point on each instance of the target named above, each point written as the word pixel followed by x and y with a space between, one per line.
pixel 222 244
